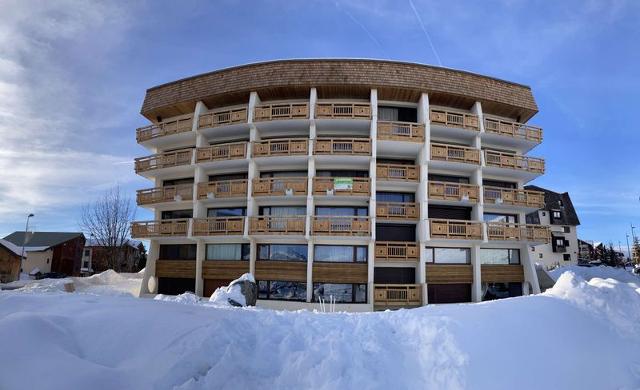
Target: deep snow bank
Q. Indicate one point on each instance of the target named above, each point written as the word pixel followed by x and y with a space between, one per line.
pixel 604 272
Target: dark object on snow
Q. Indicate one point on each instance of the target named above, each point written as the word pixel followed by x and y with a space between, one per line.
pixel 51 275
pixel 249 289
pixel 544 279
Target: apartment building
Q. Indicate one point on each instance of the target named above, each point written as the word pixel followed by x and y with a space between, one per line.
pixel 381 184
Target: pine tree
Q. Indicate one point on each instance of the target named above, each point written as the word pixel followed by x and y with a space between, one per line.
pixel 635 251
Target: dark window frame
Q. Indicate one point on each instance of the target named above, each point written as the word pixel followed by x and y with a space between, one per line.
pixel 354 289
pixel 243 247
pixel 509 255
pixel 433 255
pixel 354 254
pixel 268 297
pixel 260 246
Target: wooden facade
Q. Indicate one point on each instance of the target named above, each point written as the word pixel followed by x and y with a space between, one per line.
pixel 516 197
pixel 224 269
pixel 164 194
pixel 454 119
pixel 453 191
pixel 401 131
pixel 502 231
pixel 342 146
pixel 454 153
pixel 222 189
pixel 176 268
pixel 397 251
pixel 397 211
pixel 341 226
pixel 281 147
pixel 164 160
pixel 218 152
pixel 178 125
pixel 449 273
pixel 513 129
pixel 401 172
pixel 390 296
pixel 325 186
pixel 455 229
pixel 513 161
pixel 502 273
pixel 293 271
pixel 218 226
pixel 269 112
pixel 222 118
pixel 9 265
pixel 161 228
pixel 280 186
pixel 343 110
pixel 339 272
pixel 277 225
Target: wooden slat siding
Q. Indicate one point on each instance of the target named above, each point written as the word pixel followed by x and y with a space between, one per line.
pixel 398 172
pixel 514 161
pixel 397 210
pixel 517 197
pixel 175 126
pixel 271 112
pixel 161 228
pixel 449 273
pixel 278 186
pixel 228 151
pixel 513 129
pixel 401 131
pixel 281 147
pixel 361 187
pixel 455 229
pixel 454 119
pixel 164 194
pixel 343 146
pixel 176 269
pixel 502 231
pixel 343 110
pixel 164 160
pixel 341 226
pixel 222 117
pixel 340 272
pixel 444 152
pixel 217 226
pixel 277 225
pixel 397 251
pixel 453 191
pixel 223 189
pixel 397 295
pixel 502 273
pixel 224 269
pixel 292 271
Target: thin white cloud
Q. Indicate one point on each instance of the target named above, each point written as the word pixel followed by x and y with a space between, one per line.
pixel 426 34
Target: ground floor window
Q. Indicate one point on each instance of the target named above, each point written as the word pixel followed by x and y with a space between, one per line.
pixel 282 290
pixel 178 252
pixel 341 292
pixel 491 291
pixel 176 286
pixel 227 251
pixel 449 293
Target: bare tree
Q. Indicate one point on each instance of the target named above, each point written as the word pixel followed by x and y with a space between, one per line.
pixel 108 221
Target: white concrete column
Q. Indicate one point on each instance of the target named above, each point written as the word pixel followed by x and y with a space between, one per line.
pixel 529 267
pixel 253 255
pixel 201 108
pixel 422 272
pixel 476 285
pixel 310 271
pixel 200 256
pixel 423 196
pixel 371 250
pixel 371 256
pixel 313 99
pixel 254 100
pixel 150 269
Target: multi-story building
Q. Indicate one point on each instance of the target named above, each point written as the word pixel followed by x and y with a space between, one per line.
pixel 383 184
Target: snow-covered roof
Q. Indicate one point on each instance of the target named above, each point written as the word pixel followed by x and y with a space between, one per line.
pixel 17 249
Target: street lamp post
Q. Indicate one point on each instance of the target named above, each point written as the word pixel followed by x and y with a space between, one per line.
pixel 24 243
pixel 628 248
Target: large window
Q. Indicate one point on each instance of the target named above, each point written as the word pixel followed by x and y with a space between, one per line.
pixel 176 214
pixel 491 291
pixel 178 252
pixel 342 211
pixel 228 251
pixel 395 197
pixel 282 290
pixel 448 255
pixel 176 182
pixel 449 178
pixel 498 183
pixel 342 173
pixel 230 176
pixel 226 212
pixel 282 252
pixel 499 256
pixel 283 211
pixel 492 217
pixel 340 253
pixel 393 113
pixel 283 174
pixel 176 286
pixel 342 293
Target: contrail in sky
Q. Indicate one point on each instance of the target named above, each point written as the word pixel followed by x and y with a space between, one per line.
pixel 354 20
pixel 424 30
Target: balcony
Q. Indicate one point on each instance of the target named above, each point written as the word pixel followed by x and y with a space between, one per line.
pixel 513 129
pixel 218 226
pixel 455 229
pixel 513 197
pixel 164 160
pixel 397 251
pixel 396 296
pixel 277 225
pixel 397 211
pixel 162 129
pixel 342 186
pixel 341 226
pixel 514 161
pixel 165 194
pixel 454 119
pixel 453 153
pixel 162 228
pixel 280 186
pixel 343 111
pixel 400 172
pixel 222 118
pixel 401 131
pixel 222 189
pixel 272 112
pixel 503 231
pixel 281 147
pixel 342 146
pixel 456 192
pixel 222 152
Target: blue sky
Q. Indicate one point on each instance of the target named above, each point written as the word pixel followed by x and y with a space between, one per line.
pixel 73 76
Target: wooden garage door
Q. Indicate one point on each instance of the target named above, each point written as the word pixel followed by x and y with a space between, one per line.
pixel 449 293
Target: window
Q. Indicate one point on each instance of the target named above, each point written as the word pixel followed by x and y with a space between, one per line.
pixel 498 183
pixel 566 257
pixel 448 255
pixel 449 178
pixel 283 174
pixel 176 286
pixel 342 173
pixel 231 176
pixel 557 215
pixel 342 293
pixel 491 291
pixel 340 253
pixel 178 252
pixel 282 290
pixel 177 182
pixel 177 214
pixel 500 256
pixel 395 197
pixel 226 212
pixel 282 252
pixel 540 255
pixel 395 232
pixel 342 211
pixel 402 114
pixel 87 252
pixel 228 252
pixel 492 217
pixel 283 211
pixel 566 229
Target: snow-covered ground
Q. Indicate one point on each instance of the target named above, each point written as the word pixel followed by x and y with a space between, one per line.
pixel 578 335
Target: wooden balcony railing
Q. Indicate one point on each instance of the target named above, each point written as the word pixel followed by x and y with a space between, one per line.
pixel 219 152
pixel 454 119
pixel 513 161
pixel 218 226
pixel 341 226
pixel 221 118
pixel 396 295
pixel 398 172
pixel 514 197
pixel 164 160
pixel 397 210
pixel 271 112
pixel 343 110
pixel 279 186
pixel 281 147
pixel 513 129
pixel 360 186
pixel 504 231
pixel 455 229
pixel 441 190
pixel 277 225
pixel 165 194
pixel 223 189
pixel 401 131
pixel 397 251
pixel 162 228
pixel 444 152
pixel 161 129
pixel 343 146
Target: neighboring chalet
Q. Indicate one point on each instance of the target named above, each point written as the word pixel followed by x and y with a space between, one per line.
pixel 49 251
pixel 94 257
pixel 586 251
pixel 560 215
pixel 9 261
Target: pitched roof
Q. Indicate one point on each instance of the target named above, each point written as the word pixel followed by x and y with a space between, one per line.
pixel 558 201
pixel 11 247
pixel 133 243
pixel 42 240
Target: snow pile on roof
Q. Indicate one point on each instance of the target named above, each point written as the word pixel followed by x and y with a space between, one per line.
pixel 233 292
pixel 604 272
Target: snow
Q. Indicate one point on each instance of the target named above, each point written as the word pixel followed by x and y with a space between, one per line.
pixel 579 334
pixel 604 272
pixel 232 292
pixel 17 249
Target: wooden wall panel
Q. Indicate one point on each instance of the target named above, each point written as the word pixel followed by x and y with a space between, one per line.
pixel 449 273
pixel 224 269
pixel 294 271
pixel 176 268
pixel 498 273
pixel 340 272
